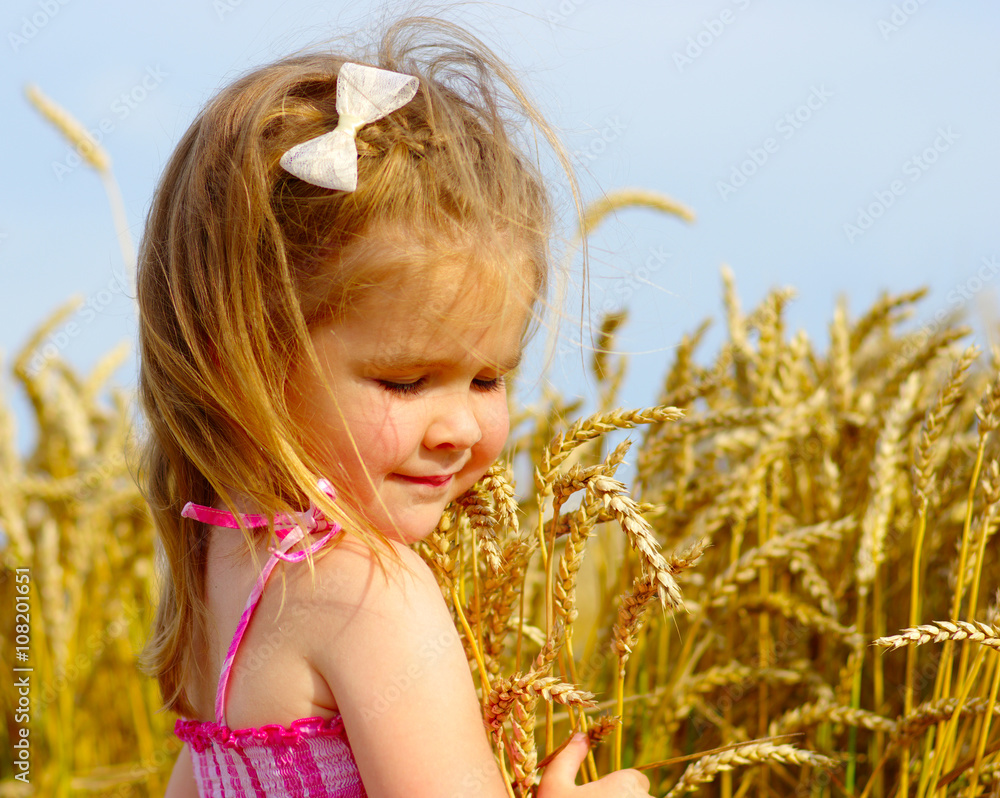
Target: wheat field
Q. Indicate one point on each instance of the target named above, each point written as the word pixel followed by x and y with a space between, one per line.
pixel 808 586
pixel 796 593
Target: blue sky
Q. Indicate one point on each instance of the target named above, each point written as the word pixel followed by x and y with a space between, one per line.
pixel 840 148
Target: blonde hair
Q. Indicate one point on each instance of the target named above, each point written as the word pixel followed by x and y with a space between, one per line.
pixel 240 260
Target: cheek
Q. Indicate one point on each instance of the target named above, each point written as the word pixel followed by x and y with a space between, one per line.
pixel 357 429
pixel 495 426
pixel 380 433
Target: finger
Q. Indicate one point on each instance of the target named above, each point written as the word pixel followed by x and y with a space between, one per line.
pixel 564 766
pixel 622 783
pixel 641 779
pixel 554 752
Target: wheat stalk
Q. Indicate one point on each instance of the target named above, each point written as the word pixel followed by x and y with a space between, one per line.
pixel 640 536
pixel 75 133
pixel 887 460
pixel 599 424
pixel 600 209
pixel 809 715
pixel 940 631
pixel 930 433
pixel 931 713
pixel 707 768
pixel 95 155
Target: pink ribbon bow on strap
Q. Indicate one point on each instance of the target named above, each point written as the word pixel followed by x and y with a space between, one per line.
pixel 289 528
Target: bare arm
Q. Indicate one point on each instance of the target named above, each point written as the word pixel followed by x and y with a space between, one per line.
pixel 182 783
pixel 389 651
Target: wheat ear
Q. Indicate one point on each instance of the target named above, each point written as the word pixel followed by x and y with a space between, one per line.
pixel 940 631
pixel 95 155
pixel 598 424
pixel 931 713
pixel 598 210
pixel 708 767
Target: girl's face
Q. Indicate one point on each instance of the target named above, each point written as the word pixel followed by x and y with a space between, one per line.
pixel 416 409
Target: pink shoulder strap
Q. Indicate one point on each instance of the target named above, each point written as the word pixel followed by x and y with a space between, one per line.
pixel 290 530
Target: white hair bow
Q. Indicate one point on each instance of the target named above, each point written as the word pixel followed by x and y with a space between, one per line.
pixel 364 94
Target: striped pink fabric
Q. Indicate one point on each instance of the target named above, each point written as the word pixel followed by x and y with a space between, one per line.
pixel 310 758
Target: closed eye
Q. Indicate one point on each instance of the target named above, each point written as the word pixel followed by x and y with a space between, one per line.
pixel 402 388
pixel 411 388
pixel 494 384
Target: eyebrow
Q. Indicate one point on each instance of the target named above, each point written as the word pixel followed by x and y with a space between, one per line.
pixel 404 361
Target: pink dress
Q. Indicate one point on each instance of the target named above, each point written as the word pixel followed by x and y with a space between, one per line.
pixel 311 757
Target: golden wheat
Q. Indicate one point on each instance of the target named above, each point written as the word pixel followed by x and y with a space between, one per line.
pixel 939 631
pixel 799 504
pixel 752 753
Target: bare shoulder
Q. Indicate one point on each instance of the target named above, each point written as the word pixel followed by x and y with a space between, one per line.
pixel 351 581
pixel 389 650
pixel 389 607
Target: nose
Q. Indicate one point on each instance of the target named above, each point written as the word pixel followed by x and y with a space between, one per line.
pixel 453 424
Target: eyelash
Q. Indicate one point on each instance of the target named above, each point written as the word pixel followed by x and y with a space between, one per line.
pixel 401 388
pixel 495 384
pixel 410 388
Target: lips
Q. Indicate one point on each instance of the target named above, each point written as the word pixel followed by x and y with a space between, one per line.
pixel 434 482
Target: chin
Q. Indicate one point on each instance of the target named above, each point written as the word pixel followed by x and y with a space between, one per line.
pixel 415 530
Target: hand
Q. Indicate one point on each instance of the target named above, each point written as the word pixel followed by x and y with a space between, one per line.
pixel 559 779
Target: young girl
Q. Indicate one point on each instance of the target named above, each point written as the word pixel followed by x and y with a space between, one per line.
pixel 340 267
